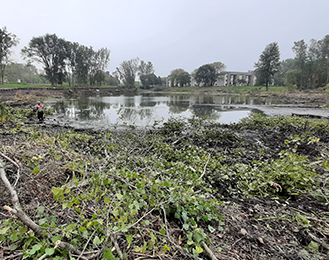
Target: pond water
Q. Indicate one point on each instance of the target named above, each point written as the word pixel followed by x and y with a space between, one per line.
pixel 102 112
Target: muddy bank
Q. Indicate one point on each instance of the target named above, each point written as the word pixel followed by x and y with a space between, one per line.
pixel 310 98
pixel 43 93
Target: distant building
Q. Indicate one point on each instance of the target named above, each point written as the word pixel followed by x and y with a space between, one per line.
pixel 233 78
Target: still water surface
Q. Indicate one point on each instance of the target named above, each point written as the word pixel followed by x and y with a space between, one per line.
pixel 102 112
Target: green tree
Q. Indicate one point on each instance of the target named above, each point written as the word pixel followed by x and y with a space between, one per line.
pixel 127 72
pixel 174 75
pixel 150 80
pixel 206 75
pixel 219 66
pixel 49 50
pixel 83 54
pixel 25 72
pixel 280 78
pixel 145 68
pixel 313 62
pixel 268 64
pixel 184 79
pixel 7 41
pixel 98 62
pixel 300 50
pixel 111 80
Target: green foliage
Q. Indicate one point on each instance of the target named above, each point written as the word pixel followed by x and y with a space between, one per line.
pixel 288 124
pixel 326 88
pixel 17 114
pixel 287 176
pixel 268 64
pixel 206 75
pixel 292 87
pixel 150 80
pixel 7 42
pixel 132 184
pixel 311 64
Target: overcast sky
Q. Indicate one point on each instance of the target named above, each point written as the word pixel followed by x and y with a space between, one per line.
pixel 172 34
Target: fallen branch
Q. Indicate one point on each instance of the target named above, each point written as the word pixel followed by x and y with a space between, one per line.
pixel 69 247
pixel 13 256
pixel 14 163
pixel 86 244
pixel 117 248
pixel 208 251
pixel 20 214
pixel 205 167
pixel 17 210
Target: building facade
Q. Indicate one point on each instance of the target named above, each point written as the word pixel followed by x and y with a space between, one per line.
pixel 233 78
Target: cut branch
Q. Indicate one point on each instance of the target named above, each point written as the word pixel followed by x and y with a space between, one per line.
pixel 14 163
pixel 17 210
pixel 208 251
pixel 205 167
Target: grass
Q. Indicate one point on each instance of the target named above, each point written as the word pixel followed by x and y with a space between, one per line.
pixel 26 85
pixel 233 88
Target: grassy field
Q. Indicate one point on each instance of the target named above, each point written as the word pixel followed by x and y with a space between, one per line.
pixel 235 89
pixel 243 89
pixel 25 85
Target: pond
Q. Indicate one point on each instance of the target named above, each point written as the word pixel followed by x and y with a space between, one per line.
pixel 102 112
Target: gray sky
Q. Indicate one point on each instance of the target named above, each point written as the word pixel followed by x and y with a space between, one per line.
pixel 172 34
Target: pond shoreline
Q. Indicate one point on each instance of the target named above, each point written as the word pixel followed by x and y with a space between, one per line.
pixel 311 98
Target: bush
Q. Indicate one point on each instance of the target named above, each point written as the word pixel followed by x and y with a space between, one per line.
pixel 292 87
pixel 326 88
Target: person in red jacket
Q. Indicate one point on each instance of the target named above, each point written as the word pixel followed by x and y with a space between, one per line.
pixel 39 109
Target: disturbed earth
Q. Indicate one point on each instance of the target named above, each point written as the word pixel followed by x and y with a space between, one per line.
pixel 188 190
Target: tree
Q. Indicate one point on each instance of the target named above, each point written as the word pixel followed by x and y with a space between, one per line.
pixel 83 54
pixel 150 80
pixel 184 78
pixel 174 75
pixel 268 64
pixel 7 41
pixel 103 61
pixel 49 50
pixel 127 72
pixel 98 62
pixel 111 80
pixel 145 68
pixel 25 72
pixel 63 60
pixel 219 67
pixel 280 78
pixel 206 75
pixel 300 50
pixel 313 62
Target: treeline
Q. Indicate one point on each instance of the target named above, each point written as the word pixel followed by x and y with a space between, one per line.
pixel 63 60
pixel 25 73
pixel 76 64
pixel 310 67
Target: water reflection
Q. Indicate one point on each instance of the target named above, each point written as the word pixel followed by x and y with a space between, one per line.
pixel 144 110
